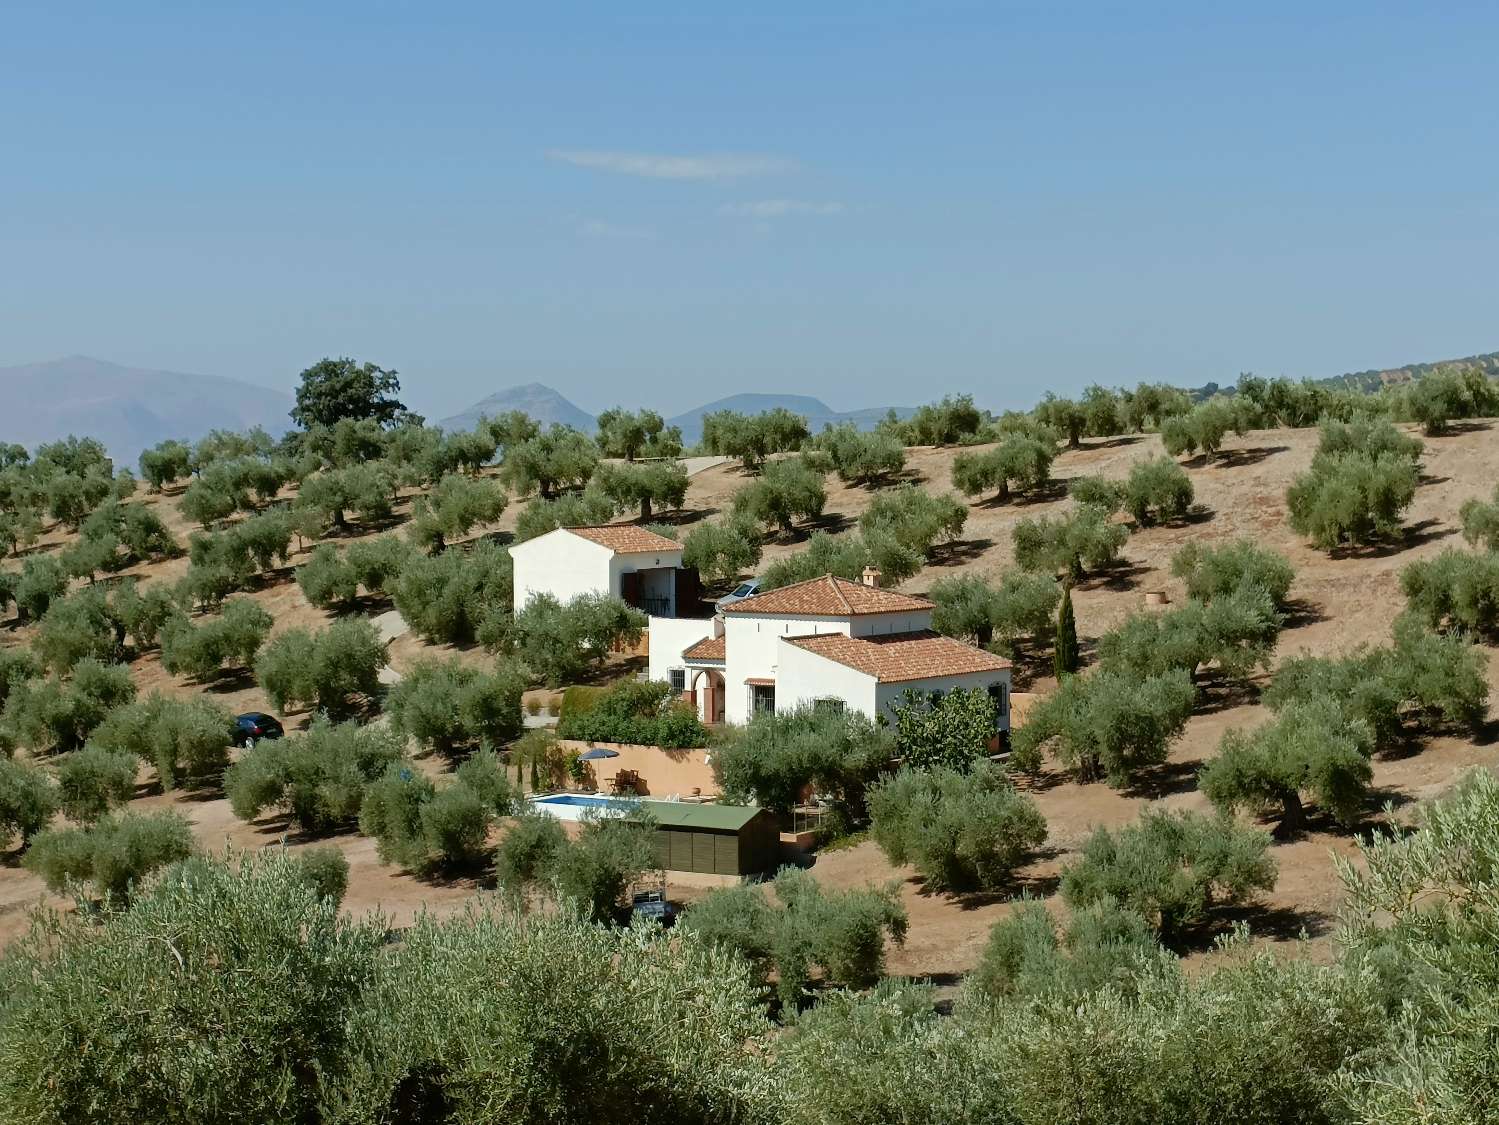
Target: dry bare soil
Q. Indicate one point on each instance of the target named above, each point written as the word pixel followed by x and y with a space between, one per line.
pixel 1340 602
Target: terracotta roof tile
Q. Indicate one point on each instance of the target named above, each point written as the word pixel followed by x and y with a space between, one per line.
pixel 626 538
pixel 828 596
pixel 896 657
pixel 709 648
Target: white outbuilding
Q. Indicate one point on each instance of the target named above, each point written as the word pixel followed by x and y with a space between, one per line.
pixel 632 562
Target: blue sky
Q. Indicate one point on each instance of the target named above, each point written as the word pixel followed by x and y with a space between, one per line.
pixel 663 203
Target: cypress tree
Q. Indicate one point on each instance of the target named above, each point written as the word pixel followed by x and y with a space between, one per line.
pixel 1066 649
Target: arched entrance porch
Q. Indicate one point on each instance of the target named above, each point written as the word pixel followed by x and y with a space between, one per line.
pixel 708 687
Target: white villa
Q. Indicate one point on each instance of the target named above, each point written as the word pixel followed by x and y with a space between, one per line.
pixel 643 568
pixel 827 641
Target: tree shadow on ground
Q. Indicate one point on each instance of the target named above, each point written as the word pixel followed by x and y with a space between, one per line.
pixel 834 523
pixel 1165 780
pixel 1463 426
pixel 1118 578
pixel 1248 455
pixel 1111 442
pixel 958 551
pixel 236 679
pixel 1278 923
pixel 1299 613
pixel 676 517
pixel 1429 530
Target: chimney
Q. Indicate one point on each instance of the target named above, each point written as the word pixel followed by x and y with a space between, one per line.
pixel 872 577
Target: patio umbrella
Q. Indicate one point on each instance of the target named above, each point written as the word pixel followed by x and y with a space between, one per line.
pixel 597 753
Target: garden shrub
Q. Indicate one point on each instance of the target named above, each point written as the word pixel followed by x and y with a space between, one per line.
pixel 643 713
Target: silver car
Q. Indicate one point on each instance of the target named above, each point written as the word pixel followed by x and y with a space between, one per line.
pixel 740 592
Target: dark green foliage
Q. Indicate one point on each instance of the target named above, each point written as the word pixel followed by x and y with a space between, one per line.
pixel 447 705
pixel 845 556
pixel 600 864
pixel 1020 607
pixel 776 757
pixel 560 642
pixel 76 627
pixel 722 551
pixel 1087 540
pixel 217 645
pixel 1100 491
pixel 1064 416
pixel 484 773
pixel 637 433
pixel 1454 590
pixel 1352 498
pixel 587 508
pixel 914 519
pixel 661 484
pixel 113 855
pixel 527 853
pixel 324 869
pixel 785 491
pixel 1312 748
pixel 227 993
pixel 455 826
pixel 331 671
pixel 17 665
pixel 1368 434
pixel 753 437
pixel 948 422
pixel 391 813
pixel 1204 427
pixel 842 933
pixel 1213 572
pixel 317 779
pixel 186 740
pixel 56 714
pixel 70 497
pixel 962 831
pixel 165 463
pixel 556 457
pixel 1109 725
pixel 453 509
pixel 1235 634
pixel 1157 491
pixel 445 598
pixel 1170 868
pixel 861 456
pixel 952 729
pixel 1480 520
pixel 1019 461
pixel 94 780
pixel 1065 655
pixel 333 390
pixel 42 581
pixel 27 801
pixel 643 713
pixel 1101 947
pixel 365 490
pixel 1438 398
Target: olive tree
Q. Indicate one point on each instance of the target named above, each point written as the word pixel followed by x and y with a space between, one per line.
pixel 723 550
pixel 1215 571
pixel 1235 633
pixel 753 438
pixel 1351 498
pixel 913 519
pixel 559 642
pixel 185 740
pixel 556 457
pixel 94 780
pixel 1309 748
pixel 1110 725
pixel 845 556
pixel 637 433
pixel 1087 540
pixel 1170 868
pixel 218 645
pixel 1454 590
pixel 447 705
pixel 328 671
pixel 446 598
pixel 587 508
pixel 56 714
pixel 1157 491
pixel 961 831
pixel 453 509
pixel 1018 460
pixel 1021 606
pixel 113 854
pixel 644 486
pixel 785 491
pixel 28 798
pixel 863 457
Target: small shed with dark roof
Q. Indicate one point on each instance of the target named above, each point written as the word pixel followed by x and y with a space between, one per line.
pixel 714 839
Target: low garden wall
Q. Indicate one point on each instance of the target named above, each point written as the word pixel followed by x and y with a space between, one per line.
pixel 662 773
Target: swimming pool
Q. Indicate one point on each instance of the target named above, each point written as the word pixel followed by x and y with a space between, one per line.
pixel 572 806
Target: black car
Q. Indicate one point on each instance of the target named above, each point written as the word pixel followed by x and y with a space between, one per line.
pixel 252 726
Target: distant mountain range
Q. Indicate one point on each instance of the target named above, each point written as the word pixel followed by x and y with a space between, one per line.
pixel 547 406
pixel 1374 379
pixel 128 408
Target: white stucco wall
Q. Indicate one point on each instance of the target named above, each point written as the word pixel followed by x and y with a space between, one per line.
pixel 753 648
pixel 876 624
pixel 888 694
pixel 561 564
pixel 669 636
pixel 806 677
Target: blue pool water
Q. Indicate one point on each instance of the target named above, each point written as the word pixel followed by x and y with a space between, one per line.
pixel 570 806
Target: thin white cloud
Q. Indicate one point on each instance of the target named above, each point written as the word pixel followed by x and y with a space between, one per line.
pixel 597 228
pixel 708 166
pixel 779 209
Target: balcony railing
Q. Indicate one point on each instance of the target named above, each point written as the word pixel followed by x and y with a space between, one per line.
pixel 656 607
